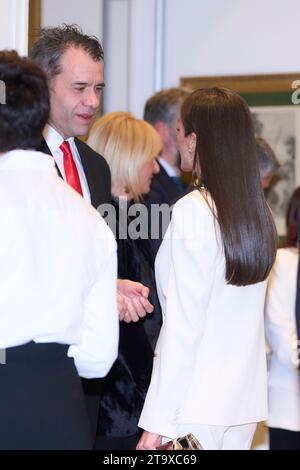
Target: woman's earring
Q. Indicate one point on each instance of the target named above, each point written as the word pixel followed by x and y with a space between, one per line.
pixel 191 153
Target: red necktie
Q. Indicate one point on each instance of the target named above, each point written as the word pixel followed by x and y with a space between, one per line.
pixel 71 172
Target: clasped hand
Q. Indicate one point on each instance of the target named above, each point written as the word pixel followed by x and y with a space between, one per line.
pixel 132 298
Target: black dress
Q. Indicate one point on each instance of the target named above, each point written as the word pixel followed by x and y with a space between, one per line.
pixel 123 390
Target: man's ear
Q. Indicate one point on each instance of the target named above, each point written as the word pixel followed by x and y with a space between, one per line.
pixel 163 130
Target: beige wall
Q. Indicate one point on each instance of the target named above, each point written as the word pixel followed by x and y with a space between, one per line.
pixel 86 13
pixel 14 25
pixel 194 37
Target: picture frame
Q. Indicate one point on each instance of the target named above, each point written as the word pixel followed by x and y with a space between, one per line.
pixel 273 101
pixel 34 24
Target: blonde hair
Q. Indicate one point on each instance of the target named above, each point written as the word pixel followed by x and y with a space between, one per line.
pixel 126 143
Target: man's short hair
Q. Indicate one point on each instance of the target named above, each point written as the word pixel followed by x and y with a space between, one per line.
pixel 53 43
pixel 267 162
pixel 25 111
pixel 164 105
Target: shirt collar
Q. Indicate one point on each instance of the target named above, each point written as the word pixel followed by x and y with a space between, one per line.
pixel 54 139
pixel 167 167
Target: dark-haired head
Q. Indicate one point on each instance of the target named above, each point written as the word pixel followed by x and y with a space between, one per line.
pixel 25 110
pixel 293 219
pixel 48 50
pixel 73 63
pixel 267 163
pixel 226 161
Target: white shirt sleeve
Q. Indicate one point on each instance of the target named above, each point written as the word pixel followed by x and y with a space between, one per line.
pixel 98 348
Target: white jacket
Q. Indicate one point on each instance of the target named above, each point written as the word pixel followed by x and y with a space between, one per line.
pixel 210 361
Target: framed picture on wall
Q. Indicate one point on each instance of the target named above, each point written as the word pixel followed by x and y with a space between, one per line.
pixel 34 21
pixel 273 100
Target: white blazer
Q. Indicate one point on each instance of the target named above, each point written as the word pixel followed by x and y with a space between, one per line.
pixel 283 378
pixel 210 360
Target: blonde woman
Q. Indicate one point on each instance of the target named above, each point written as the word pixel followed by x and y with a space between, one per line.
pixel 130 147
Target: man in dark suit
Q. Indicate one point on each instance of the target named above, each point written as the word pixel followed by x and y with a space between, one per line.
pixel 74 66
pixel 162 110
pixel 73 63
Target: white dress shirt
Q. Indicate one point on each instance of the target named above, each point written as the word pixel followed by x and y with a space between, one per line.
pixel 58 265
pixel 168 168
pixel 281 334
pixel 54 141
pixel 210 362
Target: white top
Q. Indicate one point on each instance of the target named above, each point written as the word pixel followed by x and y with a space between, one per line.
pixel 54 141
pixel 58 265
pixel 210 361
pixel 281 334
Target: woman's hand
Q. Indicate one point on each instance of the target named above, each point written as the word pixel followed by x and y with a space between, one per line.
pixel 133 303
pixel 149 441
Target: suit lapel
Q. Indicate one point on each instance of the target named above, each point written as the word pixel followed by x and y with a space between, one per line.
pixel 169 186
pixel 88 167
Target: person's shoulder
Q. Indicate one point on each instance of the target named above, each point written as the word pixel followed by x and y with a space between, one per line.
pixel 196 200
pixel 193 217
pixel 287 256
pixel 286 264
pixel 76 208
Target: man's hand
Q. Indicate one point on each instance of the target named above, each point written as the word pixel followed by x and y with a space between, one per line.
pixel 121 306
pixel 149 441
pixel 133 300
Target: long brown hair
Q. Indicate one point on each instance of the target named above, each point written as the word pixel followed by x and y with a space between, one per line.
pixel 226 153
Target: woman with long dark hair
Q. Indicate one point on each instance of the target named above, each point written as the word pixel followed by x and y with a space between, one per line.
pixel 209 374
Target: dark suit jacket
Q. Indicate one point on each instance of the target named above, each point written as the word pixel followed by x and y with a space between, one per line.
pixel 98 178
pixel 96 171
pixel 163 191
